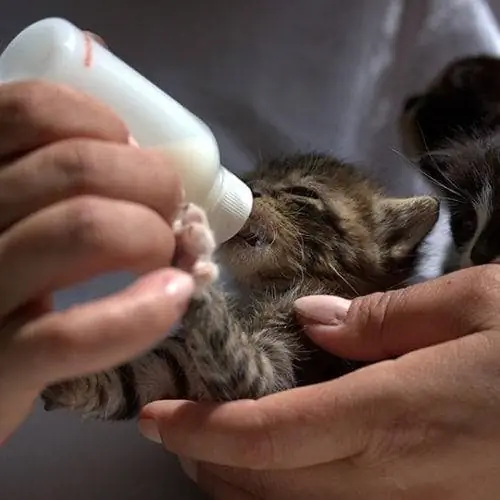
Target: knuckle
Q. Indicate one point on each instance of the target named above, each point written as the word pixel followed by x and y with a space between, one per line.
pixel 57 349
pixel 485 284
pixel 256 452
pixel 86 222
pixel 76 161
pixel 171 175
pixel 397 432
pixel 20 99
pixel 483 291
pixel 169 181
pixel 371 314
pixel 395 438
pixel 258 449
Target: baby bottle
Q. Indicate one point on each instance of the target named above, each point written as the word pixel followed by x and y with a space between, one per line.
pixel 55 50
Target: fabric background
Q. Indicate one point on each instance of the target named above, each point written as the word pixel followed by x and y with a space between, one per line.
pixel 269 76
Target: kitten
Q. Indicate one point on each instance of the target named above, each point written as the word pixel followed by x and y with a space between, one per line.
pixel 317 226
pixel 454 125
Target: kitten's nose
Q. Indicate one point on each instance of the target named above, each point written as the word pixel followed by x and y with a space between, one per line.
pixel 257 192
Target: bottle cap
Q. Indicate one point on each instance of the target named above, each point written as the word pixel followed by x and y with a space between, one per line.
pixel 231 211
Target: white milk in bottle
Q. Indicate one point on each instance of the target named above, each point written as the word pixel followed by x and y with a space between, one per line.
pixel 55 50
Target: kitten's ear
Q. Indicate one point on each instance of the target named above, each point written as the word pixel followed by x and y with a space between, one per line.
pixel 405 222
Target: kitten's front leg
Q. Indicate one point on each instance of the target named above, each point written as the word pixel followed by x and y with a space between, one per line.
pixel 100 395
pixel 162 373
pixel 195 246
pixel 120 393
pixel 231 361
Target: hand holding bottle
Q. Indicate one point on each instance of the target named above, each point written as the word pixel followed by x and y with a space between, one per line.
pixel 77 200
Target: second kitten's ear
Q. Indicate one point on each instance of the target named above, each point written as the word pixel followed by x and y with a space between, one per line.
pixel 405 222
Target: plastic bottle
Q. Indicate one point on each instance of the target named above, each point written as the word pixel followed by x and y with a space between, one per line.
pixel 55 50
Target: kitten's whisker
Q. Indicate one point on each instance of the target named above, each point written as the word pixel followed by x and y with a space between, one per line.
pixel 442 186
pixel 453 200
pixel 457 190
pixel 422 136
pixel 339 274
pixel 405 158
pixel 433 181
pixel 452 182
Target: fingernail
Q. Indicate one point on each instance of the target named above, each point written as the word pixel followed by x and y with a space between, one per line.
pixel 322 309
pixel 149 429
pixel 97 38
pixel 180 288
pixel 132 141
pixel 190 468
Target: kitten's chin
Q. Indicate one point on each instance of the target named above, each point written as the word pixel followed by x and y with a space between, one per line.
pixel 251 238
pixel 245 254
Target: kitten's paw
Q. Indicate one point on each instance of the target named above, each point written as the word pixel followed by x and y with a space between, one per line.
pixel 193 233
pixel 72 395
pixel 205 273
pixel 195 245
pixel 88 395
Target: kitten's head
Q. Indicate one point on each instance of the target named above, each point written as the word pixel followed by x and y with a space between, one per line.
pixel 467 176
pixel 319 219
pixel 462 100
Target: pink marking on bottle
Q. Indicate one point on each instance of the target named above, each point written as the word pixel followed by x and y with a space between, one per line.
pixel 88 50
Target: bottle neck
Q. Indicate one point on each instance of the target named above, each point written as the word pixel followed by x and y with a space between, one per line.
pixel 228 205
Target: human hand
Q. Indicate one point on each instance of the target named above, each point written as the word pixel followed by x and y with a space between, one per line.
pixel 426 425
pixel 77 200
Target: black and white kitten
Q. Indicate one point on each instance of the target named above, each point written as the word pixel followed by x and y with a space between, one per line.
pixel 454 127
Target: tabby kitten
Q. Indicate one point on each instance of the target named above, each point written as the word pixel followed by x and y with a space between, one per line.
pixel 317 226
pixel 454 125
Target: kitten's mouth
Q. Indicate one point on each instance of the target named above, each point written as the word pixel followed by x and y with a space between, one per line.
pixel 252 238
pixel 256 233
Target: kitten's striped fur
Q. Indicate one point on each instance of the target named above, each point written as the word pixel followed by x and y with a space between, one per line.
pixel 317 226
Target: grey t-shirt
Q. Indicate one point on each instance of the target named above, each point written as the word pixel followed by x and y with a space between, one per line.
pixel 269 77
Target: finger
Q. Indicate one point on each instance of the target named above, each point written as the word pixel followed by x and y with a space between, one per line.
pixel 339 480
pixel 389 409
pixel 76 239
pixel 291 429
pixel 215 479
pixel 92 337
pixel 36 113
pixel 219 489
pixel 20 405
pixel 87 167
pixel 386 325
pixel 17 395
pixel 382 410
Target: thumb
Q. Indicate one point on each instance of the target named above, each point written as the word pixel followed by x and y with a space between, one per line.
pixel 386 325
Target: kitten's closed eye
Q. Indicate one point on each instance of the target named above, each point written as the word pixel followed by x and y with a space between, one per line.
pixel 302 191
